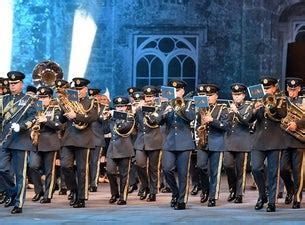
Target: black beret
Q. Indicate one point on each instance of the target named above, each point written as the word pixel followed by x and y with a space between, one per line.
pixel 94 91
pixel 44 91
pixel 177 83
pixel 149 90
pixel 80 82
pixel 120 100
pixel 293 82
pixel 238 88
pixel 14 76
pixel 268 81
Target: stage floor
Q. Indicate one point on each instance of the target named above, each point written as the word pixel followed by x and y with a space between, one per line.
pixel 138 212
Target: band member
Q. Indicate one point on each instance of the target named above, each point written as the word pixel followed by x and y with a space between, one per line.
pixel 17 115
pixel 44 134
pixel 98 131
pixel 148 146
pixel 178 144
pixel 238 143
pixel 77 141
pixel 269 140
pixel 292 157
pixel 212 123
pixel 120 151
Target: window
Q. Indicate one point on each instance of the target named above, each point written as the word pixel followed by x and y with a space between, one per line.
pixel 159 58
pixel 299 32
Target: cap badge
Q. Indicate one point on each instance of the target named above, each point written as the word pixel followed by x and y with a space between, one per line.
pixel 174 84
pixel 13 76
pixel 77 82
pixel 208 88
pixel 42 90
pixel 148 90
pixel 59 83
pixel 236 87
pixel 201 88
pixel 292 82
pixel 120 100
pixel 91 92
pixel 265 81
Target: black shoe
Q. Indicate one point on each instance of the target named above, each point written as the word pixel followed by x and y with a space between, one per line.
pixel 260 203
pixel 296 205
pixel 16 210
pixel 204 196
pixel 79 204
pixel 211 203
pixel 93 189
pixel 231 196
pixel 166 190
pixel 144 194
pixel 37 197
pixel 271 207
pixel 280 195
pixel 195 190
pixel 151 198
pixel 132 188
pixel 288 198
pixel 121 202
pixel 62 191
pixel 70 196
pixel 2 197
pixel 45 200
pixel 73 200
pixel 180 206
pixel 173 202
pixel 9 201
pixel 113 199
pixel 238 199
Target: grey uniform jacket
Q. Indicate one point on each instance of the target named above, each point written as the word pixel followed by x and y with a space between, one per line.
pixel 238 138
pixel 120 147
pixel 81 138
pixel 147 138
pixel 24 107
pixel 49 137
pixel 177 133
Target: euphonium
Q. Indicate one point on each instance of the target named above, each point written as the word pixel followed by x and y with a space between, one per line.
pixel 124 128
pixel 294 113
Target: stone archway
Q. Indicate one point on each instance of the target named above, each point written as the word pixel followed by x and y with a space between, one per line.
pixel 290 15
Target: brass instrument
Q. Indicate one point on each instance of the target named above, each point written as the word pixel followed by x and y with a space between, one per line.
pixel 202 130
pixel 69 106
pixel 46 72
pixel 271 102
pixel 149 121
pixel 294 113
pixel 35 129
pixel 124 128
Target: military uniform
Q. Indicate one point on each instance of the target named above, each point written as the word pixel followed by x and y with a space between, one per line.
pixel 148 146
pixel 119 154
pixel 177 148
pixel 269 140
pixel 99 141
pixel 238 141
pixel 17 112
pixel 76 144
pixel 209 156
pixel 292 158
pixel 42 159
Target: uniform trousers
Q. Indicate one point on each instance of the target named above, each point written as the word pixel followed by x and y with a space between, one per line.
pixel 43 163
pixel 257 161
pixel 235 166
pixel 78 182
pixel 179 160
pixel 94 165
pixel 17 161
pixel 291 171
pixel 148 167
pixel 121 166
pixel 209 165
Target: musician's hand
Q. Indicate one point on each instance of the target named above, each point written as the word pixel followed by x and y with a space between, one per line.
pixel 168 109
pixel 233 108
pixel 42 119
pixel 257 106
pixel 292 126
pixel 207 119
pixel 15 127
pixel 70 115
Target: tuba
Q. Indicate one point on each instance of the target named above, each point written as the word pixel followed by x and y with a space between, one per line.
pixel 294 113
pixel 46 72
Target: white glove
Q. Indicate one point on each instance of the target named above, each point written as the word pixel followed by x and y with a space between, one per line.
pixel 15 127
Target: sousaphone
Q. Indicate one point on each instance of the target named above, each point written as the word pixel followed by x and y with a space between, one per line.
pixel 46 72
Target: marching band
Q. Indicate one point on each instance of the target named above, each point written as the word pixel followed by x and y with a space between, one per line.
pixel 151 134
